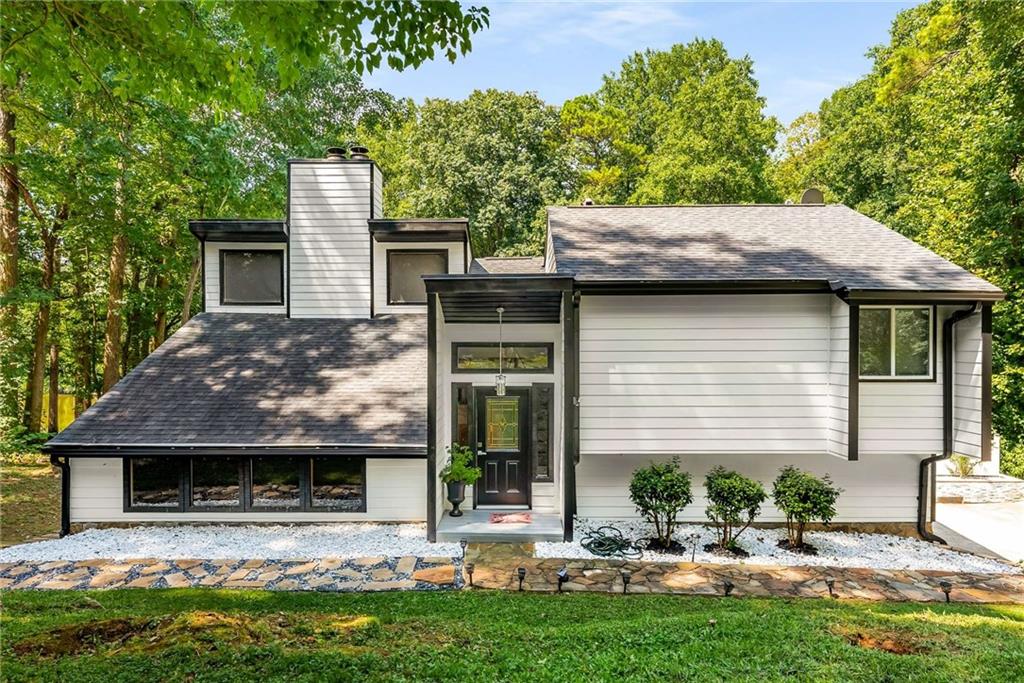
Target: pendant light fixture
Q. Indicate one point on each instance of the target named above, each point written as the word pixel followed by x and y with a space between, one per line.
pixel 499 380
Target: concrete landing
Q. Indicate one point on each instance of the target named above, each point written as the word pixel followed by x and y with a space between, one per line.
pixel 475 526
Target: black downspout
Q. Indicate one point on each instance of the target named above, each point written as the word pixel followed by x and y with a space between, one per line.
pixel 65 493
pixel 923 499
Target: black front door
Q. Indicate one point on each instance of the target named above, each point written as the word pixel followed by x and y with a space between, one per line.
pixel 503 447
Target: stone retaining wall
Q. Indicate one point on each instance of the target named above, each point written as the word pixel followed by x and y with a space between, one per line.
pixel 1001 489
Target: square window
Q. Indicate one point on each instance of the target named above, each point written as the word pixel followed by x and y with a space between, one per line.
pixel 153 483
pixel 896 342
pixel 405 274
pixel 252 277
pixel 338 483
pixel 216 483
pixel 275 482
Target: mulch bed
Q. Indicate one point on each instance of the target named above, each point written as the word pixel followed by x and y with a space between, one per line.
pixel 716 549
pixel 805 549
pixel 675 547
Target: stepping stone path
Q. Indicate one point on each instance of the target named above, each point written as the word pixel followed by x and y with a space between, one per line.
pixel 360 574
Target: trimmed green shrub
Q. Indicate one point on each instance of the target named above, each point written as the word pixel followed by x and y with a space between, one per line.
pixel 732 500
pixel 660 492
pixel 803 498
pixel 460 465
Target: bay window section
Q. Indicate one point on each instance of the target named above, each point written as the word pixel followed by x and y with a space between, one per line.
pixel 338 483
pixel 216 483
pixel 897 342
pixel 275 483
pixel 153 484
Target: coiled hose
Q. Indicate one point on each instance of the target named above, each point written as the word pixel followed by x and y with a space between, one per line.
pixel 607 541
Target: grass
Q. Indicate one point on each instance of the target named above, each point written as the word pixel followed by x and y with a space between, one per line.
pixel 218 635
pixel 29 499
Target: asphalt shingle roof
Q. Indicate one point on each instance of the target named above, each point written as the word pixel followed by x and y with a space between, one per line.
pixel 510 265
pixel 247 379
pixel 747 242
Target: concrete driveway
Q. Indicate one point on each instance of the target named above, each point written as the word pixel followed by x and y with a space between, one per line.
pixel 998 527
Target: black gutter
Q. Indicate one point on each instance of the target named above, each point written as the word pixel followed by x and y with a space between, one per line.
pixel 431 416
pixel 65 493
pixel 923 499
pixel 129 451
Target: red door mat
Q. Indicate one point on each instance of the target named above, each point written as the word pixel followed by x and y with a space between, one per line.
pixel 511 518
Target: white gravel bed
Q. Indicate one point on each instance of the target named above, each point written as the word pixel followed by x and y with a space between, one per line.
pixel 835 549
pixel 278 542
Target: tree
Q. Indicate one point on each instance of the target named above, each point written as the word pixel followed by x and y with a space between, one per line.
pixel 660 492
pixel 732 500
pixel 803 498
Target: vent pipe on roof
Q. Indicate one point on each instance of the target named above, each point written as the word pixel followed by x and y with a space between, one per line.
pixel 357 151
pixel 812 195
pixel 336 153
pixel 588 202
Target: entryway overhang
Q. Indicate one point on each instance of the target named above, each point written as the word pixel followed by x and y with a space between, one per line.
pixel 526 298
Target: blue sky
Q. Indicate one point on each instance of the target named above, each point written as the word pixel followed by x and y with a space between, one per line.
pixel 801 51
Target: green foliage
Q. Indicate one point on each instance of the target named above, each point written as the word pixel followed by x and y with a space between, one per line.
pixel 803 498
pixel 660 491
pixel 962 465
pixel 1011 461
pixel 460 465
pixel 732 500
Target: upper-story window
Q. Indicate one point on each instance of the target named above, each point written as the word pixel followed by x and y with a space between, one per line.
pixel 406 268
pixel 252 277
pixel 897 342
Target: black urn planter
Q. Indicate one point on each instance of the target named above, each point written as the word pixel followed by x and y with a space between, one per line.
pixel 456 494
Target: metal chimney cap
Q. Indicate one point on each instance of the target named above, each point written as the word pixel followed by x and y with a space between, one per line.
pixel 588 202
pixel 812 195
pixel 336 153
pixel 357 151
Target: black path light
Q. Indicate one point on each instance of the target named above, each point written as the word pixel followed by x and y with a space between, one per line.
pixel 626 577
pixel 946 587
pixel 694 537
pixel 831 583
pixel 728 586
pixel 563 577
pixel 463 542
pixel 521 572
pixel 469 570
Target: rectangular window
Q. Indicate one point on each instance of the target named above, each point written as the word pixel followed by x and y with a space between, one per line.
pixel 462 414
pixel 541 405
pixel 338 483
pixel 216 483
pixel 153 484
pixel 897 342
pixel 502 423
pixel 516 357
pixel 406 269
pixel 275 482
pixel 252 277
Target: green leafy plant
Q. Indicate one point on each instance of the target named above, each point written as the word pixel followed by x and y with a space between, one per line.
pixel 962 466
pixel 1011 461
pixel 660 492
pixel 803 498
pixel 732 500
pixel 460 465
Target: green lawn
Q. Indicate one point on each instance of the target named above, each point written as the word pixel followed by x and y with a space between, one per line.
pixel 29 499
pixel 210 635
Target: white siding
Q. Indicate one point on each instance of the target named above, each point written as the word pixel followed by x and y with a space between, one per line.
pixel 378 192
pixel 211 252
pixel 878 488
pixel 701 374
pixel 838 377
pixel 329 204
pixel 967 375
pixel 395 491
pixel 456 264
pixel 549 255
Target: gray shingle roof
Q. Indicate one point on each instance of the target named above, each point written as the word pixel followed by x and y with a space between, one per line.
pixel 507 265
pixel 747 242
pixel 228 378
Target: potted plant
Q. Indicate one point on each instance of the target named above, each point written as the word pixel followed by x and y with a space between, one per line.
pixel 459 471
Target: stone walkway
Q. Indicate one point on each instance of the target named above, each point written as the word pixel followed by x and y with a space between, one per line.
pixel 496 566
pixel 360 574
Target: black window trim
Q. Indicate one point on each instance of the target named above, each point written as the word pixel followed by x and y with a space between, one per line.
pixel 933 357
pixel 220 259
pixel 433 252
pixel 549 346
pixel 245 492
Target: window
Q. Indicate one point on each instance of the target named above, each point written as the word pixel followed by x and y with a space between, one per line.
pixel 153 484
pixel 896 342
pixel 502 423
pixel 541 403
pixel 517 357
pixel 405 271
pixel 339 483
pixel 252 277
pixel 275 482
pixel 216 483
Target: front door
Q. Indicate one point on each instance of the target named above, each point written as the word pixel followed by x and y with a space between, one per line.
pixel 503 447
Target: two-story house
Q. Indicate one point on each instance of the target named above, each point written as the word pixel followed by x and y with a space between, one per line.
pixel 340 353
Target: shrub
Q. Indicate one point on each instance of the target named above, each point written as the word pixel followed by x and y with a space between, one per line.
pixel 732 500
pixel 460 465
pixel 660 492
pixel 962 466
pixel 1011 461
pixel 803 498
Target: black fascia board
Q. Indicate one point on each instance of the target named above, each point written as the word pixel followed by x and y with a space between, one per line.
pixel 486 282
pixel 239 230
pixel 704 286
pixel 127 450
pixel 906 296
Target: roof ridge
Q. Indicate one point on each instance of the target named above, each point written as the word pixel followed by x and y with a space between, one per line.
pixel 688 206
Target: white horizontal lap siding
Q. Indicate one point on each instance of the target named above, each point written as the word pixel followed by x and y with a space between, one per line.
pixel 967 374
pixel 211 254
pixel 395 491
pixel 902 416
pixel 456 264
pixel 878 488
pixel 329 205
pixel 839 378
pixel 701 374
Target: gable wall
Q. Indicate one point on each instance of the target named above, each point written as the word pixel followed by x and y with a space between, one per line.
pixel 456 264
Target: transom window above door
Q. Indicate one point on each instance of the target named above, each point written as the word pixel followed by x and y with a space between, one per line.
pixel 897 342
pixel 406 268
pixel 516 357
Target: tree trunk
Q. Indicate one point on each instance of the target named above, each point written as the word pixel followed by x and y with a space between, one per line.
pixel 115 304
pixel 53 423
pixel 160 323
pixel 37 372
pixel 190 288
pixel 8 260
pixel 129 351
